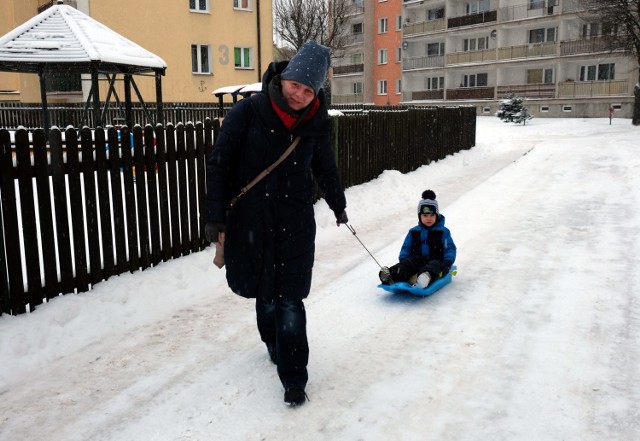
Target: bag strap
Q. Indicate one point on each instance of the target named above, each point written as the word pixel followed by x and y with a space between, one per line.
pixel 264 172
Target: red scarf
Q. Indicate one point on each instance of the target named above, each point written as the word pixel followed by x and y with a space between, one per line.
pixel 288 120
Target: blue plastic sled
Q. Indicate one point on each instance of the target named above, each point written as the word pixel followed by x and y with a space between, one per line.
pixel 405 288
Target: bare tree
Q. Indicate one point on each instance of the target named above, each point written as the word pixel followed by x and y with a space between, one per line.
pixel 298 21
pixel 620 20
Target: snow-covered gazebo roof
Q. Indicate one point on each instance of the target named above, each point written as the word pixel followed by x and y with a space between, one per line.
pixel 62 35
pixel 243 90
pixel 62 39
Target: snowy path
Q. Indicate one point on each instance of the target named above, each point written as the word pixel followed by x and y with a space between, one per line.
pixel 536 339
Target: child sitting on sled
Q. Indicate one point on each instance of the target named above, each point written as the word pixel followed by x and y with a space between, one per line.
pixel 428 251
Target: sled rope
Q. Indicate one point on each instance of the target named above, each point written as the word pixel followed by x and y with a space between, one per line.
pixel 356 236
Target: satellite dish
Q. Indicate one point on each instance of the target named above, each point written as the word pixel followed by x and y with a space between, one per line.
pixel 493 34
pixel 405 45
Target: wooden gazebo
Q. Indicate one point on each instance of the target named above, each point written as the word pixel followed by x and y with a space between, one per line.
pixel 63 40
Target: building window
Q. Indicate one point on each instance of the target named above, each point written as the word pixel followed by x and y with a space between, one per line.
pixel 356 29
pixel 383 25
pixel 538 76
pixel 590 30
pixel 486 109
pixel 242 57
pixel 435 14
pixel 383 56
pixel 606 71
pixel 357 88
pixel 567 108
pixel 544 109
pixel 399 23
pixel 199 5
pixel 542 35
pixel 382 87
pixel 476 44
pixel 600 72
pixel 434 83
pixel 357 58
pixel 475 80
pixel 399 55
pixel 200 59
pixel 242 4
pixel 536 4
pixel 435 49
pixel 477 6
pixel 398 87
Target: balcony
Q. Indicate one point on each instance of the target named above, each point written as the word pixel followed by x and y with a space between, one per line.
pixel 348 69
pixel 471 56
pixel 588 89
pixel 573 5
pixel 527 91
pixel 473 19
pixel 471 93
pixel 422 62
pixel 424 27
pixel 353 39
pixel 357 9
pixel 353 98
pixel 521 12
pixel 427 95
pixel 587 46
pixel 549 49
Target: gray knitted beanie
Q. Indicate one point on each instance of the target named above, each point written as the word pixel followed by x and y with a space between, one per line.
pixel 309 66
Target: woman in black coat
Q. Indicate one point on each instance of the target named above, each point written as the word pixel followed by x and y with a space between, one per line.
pixel 269 234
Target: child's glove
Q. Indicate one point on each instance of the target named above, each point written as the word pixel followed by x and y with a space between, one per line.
pixel 446 267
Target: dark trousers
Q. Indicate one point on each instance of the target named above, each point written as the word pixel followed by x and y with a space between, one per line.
pixel 283 323
pixel 405 269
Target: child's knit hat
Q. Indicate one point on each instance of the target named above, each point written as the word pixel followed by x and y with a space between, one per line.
pixel 428 203
pixel 309 66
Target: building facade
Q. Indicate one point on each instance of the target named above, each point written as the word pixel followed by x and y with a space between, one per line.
pixel 206 44
pixel 477 52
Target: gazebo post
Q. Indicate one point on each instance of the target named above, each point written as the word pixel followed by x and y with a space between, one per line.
pixel 43 97
pixel 128 116
pixel 160 117
pixel 96 98
pixel 221 105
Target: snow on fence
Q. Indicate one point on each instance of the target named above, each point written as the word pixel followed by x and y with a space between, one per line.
pixel 29 115
pixel 81 206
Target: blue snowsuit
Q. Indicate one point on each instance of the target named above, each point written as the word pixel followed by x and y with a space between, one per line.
pixel 425 249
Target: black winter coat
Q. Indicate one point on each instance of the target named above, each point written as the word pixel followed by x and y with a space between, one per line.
pixel 270 232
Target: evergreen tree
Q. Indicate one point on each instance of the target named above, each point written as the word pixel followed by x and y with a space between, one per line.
pixel 513 110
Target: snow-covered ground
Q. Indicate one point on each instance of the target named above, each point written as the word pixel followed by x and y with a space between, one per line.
pixel 537 338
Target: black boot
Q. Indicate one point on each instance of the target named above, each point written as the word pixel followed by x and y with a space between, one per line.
pixel 385 276
pixel 295 396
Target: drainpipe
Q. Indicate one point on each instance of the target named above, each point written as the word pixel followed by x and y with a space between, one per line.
pixel 259 43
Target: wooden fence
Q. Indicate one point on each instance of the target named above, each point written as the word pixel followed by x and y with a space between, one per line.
pixel 370 142
pixel 81 206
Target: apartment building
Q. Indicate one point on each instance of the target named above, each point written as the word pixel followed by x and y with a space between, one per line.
pixel 206 44
pixel 462 52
